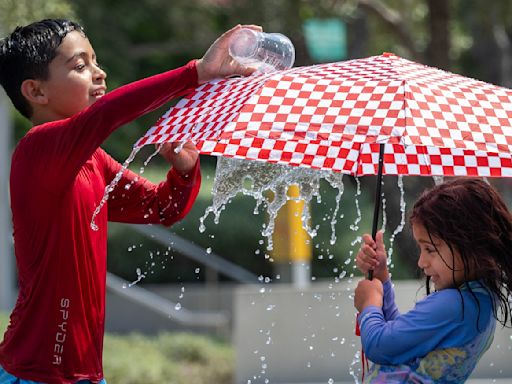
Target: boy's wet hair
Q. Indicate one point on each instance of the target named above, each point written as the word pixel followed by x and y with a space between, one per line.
pixel 470 216
pixel 26 54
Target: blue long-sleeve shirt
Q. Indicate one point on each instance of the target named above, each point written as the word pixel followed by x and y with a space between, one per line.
pixel 437 341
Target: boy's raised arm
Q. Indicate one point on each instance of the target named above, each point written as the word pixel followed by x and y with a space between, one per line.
pixel 69 143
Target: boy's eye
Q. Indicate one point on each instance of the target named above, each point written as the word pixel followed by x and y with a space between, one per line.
pixel 80 67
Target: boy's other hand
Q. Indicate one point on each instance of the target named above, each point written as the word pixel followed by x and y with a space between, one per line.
pixel 368 292
pixel 217 62
pixel 372 255
pixel 182 157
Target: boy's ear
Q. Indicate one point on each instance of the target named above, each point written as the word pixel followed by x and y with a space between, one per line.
pixel 32 91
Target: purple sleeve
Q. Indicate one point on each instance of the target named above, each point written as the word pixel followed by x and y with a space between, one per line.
pixel 439 321
pixel 389 308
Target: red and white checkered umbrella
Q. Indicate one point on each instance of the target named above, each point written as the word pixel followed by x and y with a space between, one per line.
pixel 335 116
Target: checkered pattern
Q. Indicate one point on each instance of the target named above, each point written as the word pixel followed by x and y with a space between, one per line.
pixel 333 116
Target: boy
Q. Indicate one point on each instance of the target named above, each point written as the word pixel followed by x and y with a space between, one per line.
pixel 58 176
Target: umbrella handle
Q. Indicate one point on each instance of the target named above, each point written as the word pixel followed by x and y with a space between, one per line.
pixel 376 208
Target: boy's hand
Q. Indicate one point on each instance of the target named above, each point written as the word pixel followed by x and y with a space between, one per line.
pixel 182 159
pixel 372 255
pixel 217 62
pixel 368 292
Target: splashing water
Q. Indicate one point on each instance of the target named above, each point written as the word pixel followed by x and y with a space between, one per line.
pixel 140 276
pixel 268 184
pixel 115 181
pixel 438 179
pixel 355 226
pixel 179 147
pixel 401 225
pixel 353 369
pixel 384 212
pixel 157 151
pixel 109 188
pixel 336 181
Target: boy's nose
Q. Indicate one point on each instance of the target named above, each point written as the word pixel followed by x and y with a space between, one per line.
pixel 100 74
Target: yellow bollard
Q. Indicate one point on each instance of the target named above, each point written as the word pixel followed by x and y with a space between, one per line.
pixel 292 244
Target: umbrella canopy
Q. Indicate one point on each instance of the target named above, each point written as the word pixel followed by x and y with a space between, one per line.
pixel 335 116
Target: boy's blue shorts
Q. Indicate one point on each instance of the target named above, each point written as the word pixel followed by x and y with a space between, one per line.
pixel 7 378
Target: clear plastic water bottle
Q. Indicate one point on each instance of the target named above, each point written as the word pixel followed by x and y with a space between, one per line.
pixel 267 52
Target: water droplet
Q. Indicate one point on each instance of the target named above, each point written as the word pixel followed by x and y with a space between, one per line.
pixel 111 187
pixel 179 147
pixel 177 306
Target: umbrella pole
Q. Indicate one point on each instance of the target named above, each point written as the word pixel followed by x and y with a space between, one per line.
pixel 378 194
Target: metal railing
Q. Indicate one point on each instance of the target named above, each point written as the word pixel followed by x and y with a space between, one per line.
pixel 194 252
pixel 165 307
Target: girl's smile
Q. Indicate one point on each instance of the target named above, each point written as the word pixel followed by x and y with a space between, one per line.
pixel 437 261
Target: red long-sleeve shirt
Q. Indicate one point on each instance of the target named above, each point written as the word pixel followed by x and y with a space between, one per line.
pixel 58 177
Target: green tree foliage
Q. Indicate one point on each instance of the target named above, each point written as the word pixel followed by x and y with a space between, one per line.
pixel 21 12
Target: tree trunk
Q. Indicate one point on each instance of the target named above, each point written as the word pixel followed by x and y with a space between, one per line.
pixel 438 49
pixel 504 48
pixel 394 21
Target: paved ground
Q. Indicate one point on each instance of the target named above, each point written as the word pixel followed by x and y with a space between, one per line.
pixel 471 381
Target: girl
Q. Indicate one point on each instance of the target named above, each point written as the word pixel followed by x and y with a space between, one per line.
pixel 464 233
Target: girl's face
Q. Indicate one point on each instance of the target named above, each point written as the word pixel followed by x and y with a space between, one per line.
pixel 445 269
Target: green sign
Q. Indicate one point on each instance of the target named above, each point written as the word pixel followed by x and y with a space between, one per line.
pixel 326 39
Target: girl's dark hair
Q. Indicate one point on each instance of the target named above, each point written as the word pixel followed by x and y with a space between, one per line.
pixel 26 54
pixel 470 216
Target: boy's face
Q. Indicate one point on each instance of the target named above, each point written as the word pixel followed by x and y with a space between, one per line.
pixel 75 80
pixel 437 261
